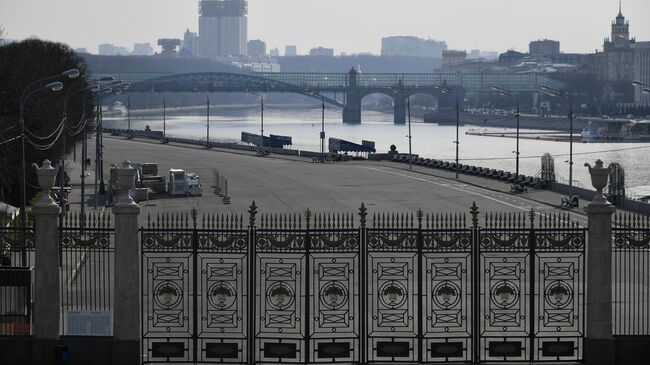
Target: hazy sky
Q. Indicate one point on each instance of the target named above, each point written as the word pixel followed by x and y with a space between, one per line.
pixel 346 25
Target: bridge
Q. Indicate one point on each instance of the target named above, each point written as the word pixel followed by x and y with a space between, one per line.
pixel 353 85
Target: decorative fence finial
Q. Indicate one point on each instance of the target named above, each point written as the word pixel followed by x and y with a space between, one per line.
pixel 363 212
pixel 126 181
pixel 531 217
pixel 252 211
pixel 474 212
pixel 599 176
pixel 420 215
pixel 46 175
pixel 194 213
pixel 308 218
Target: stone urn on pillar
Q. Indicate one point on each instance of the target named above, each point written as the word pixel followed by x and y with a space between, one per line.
pixel 126 181
pixel 46 175
pixel 599 177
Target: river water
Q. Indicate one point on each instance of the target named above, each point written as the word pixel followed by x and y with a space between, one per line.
pixel 428 140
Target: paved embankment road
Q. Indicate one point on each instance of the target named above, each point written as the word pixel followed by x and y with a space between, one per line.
pixel 291 184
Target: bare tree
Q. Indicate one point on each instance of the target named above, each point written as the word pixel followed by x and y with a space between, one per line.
pixel 3 33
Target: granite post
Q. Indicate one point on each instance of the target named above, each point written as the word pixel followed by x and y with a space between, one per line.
pixel 599 342
pixel 126 312
pixel 47 310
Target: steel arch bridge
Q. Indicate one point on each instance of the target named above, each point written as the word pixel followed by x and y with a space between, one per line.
pixel 353 85
pixel 225 82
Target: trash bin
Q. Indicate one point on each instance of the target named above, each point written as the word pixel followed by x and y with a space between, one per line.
pixel 61 355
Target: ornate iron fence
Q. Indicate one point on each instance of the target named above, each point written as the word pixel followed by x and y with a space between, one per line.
pixel 396 288
pixel 86 261
pixel 17 259
pixel 631 274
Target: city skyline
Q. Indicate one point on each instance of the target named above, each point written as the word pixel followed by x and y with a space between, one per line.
pixel 276 21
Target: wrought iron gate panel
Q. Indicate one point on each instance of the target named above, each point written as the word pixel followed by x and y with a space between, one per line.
pixel 447 267
pixel 167 291
pixel 195 290
pixel 393 295
pixel 281 267
pixel 532 286
pixel 560 294
pixel 504 279
pixel 334 294
pixel 222 296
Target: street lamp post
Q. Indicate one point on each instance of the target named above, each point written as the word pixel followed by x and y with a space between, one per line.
pixel 66 100
pixel 445 90
pixel 260 150
pixel 117 87
pixel 164 119
pixel 322 133
pixel 567 98
pixel 128 115
pixel 27 92
pixel 53 86
pixel 512 94
pixel 207 124
pixel 408 108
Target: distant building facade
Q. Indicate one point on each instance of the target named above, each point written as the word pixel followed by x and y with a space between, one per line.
pixel 616 61
pixel 274 52
pixel 450 57
pixel 323 52
pixel 290 51
pixel 190 43
pixel 642 72
pixel 543 48
pixel 142 49
pixel 511 57
pixel 106 49
pixel 412 47
pixel 256 48
pixel 223 28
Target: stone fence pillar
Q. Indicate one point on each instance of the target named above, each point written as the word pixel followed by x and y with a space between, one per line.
pixel 600 345
pixel 126 313
pixel 46 314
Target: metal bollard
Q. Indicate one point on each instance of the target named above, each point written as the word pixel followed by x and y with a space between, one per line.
pixel 217 183
pixel 226 197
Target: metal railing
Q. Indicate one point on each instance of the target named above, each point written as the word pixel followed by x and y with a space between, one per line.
pixel 631 274
pixel 86 262
pixel 16 286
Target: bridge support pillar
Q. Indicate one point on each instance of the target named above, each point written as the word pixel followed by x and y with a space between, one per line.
pixel 352 109
pixel 399 109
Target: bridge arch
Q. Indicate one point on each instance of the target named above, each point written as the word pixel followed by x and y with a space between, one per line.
pixel 224 82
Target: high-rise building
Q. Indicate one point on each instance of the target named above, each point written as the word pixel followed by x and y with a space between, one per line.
pixel 256 48
pixel 641 72
pixel 274 52
pixel 190 43
pixel 121 51
pixel 412 47
pixel 290 51
pixel 223 28
pixel 543 48
pixel 616 62
pixel 106 49
pixel 142 49
pixel 77 50
pixel 323 52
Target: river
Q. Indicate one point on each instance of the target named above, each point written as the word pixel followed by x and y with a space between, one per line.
pixel 428 140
